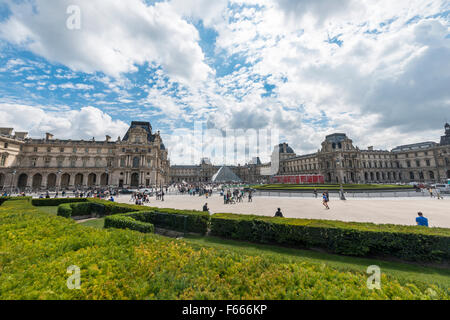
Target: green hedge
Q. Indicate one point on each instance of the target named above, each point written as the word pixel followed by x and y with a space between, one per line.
pixel 79 209
pixel 37 248
pixel 357 239
pixel 4 199
pixel 178 220
pixel 54 202
pixel 197 221
pixel 115 207
pixel 127 222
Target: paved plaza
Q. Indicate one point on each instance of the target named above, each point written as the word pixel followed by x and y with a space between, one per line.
pixel 402 211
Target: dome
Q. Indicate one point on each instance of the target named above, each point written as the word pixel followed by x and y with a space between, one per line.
pixel 284 148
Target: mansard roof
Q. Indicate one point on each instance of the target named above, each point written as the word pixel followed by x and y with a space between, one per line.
pixel 140 124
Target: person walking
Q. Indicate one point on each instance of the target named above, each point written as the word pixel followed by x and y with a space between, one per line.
pixel 315 193
pixel 438 194
pixel 421 220
pixel 205 208
pixel 325 201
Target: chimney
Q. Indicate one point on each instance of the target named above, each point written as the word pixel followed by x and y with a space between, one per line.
pixel 21 135
pixel 370 148
pixel 108 138
pixel 6 131
pixel 48 136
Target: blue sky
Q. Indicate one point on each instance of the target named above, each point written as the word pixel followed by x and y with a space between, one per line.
pixel 377 70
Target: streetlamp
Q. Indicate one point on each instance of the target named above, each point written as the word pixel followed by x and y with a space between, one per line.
pixel 12 180
pixel 58 178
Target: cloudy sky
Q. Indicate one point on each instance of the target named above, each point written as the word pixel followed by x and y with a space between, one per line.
pixel 378 70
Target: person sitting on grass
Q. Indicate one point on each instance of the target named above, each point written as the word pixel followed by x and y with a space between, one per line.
pixel 205 208
pixel 279 214
pixel 421 220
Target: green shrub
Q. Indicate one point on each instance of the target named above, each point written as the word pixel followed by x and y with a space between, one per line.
pixel 55 201
pixel 126 222
pixel 4 199
pixel 80 209
pixel 196 221
pixel 37 248
pixel 181 220
pixel 115 207
pixel 65 210
pixel 357 239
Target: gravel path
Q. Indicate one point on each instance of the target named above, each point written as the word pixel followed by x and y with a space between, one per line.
pixel 401 211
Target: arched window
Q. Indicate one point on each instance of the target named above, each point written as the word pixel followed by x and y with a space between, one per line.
pixel 136 162
pixel 431 173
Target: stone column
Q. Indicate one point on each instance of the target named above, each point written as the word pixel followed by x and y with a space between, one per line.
pixel 44 180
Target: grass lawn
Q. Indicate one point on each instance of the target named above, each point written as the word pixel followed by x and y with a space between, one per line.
pixel 97 223
pixel 365 187
pixel 49 210
pixel 404 273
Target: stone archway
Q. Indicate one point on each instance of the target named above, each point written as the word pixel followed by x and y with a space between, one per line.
pixel 37 181
pixel 23 181
pixel 135 180
pixel 448 174
pixel 92 180
pixel 104 180
pixel 79 180
pixel 51 181
pixel 2 180
pixel 65 180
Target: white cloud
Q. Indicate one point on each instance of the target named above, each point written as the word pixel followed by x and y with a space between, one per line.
pixel 86 123
pixel 115 36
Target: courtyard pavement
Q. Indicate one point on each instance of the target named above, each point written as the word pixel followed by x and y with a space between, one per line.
pixel 402 211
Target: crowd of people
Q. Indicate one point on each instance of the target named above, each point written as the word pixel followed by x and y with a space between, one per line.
pixel 236 196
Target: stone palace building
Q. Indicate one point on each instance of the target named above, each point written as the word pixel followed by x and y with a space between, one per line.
pixel 339 161
pixel 140 159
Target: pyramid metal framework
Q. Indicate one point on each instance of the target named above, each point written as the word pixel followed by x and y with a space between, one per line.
pixel 225 175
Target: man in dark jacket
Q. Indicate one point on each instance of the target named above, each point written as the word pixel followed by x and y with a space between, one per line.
pixel 279 214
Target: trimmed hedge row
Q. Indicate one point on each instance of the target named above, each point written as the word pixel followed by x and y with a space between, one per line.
pixel 79 209
pixel 55 201
pixel 178 220
pixel 4 199
pixel 121 264
pixel 127 222
pixel 357 239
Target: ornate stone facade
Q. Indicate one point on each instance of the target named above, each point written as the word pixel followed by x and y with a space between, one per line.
pixel 140 159
pixel 204 172
pixel 339 161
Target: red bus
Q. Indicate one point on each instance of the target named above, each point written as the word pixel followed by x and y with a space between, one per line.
pixel 298 179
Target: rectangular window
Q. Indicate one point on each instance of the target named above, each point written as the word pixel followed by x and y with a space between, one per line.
pixel 61 150
pixel 35 149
